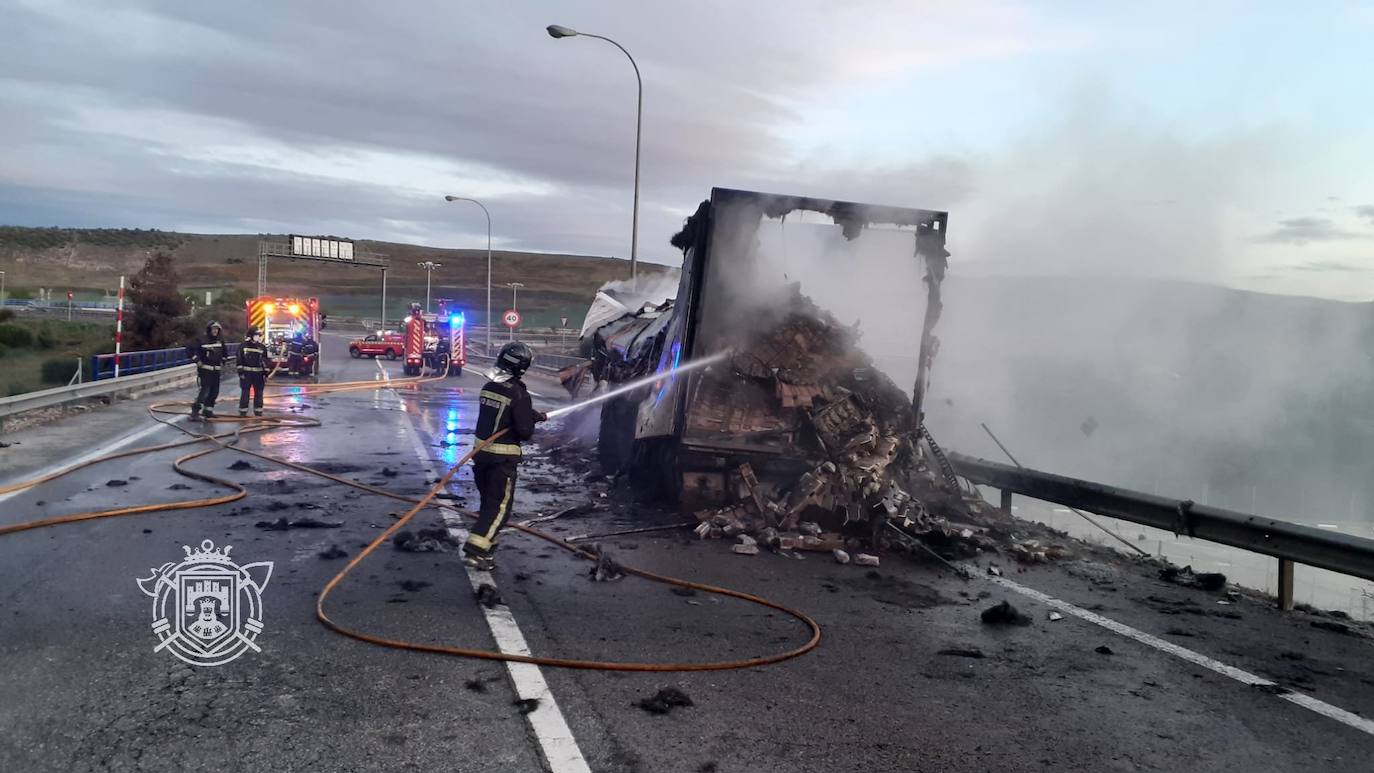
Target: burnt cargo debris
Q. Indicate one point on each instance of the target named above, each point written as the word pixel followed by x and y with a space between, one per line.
pixel 803 387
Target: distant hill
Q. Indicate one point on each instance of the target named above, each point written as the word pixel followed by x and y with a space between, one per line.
pixel 89 261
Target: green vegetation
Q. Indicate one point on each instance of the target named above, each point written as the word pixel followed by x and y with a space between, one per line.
pixel 43 353
pixel 48 238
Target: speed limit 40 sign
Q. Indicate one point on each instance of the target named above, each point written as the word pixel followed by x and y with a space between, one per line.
pixel 511 318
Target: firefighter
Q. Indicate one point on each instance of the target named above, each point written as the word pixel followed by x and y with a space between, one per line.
pixel 504 404
pixel 296 354
pixel 209 358
pixel 252 363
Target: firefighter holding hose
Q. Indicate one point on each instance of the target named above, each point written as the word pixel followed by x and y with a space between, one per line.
pixel 208 354
pixel 504 404
pixel 252 364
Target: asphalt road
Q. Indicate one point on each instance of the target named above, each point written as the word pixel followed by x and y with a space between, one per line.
pixel 81 687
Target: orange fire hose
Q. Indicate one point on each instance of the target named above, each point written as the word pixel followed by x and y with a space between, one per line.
pixel 264 424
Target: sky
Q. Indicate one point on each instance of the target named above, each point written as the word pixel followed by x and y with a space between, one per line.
pixel 1222 142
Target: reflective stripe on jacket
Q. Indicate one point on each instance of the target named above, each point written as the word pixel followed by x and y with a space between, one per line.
pixel 505 406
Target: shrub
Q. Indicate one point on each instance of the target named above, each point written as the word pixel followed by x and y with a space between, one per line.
pixel 15 335
pixel 59 371
pixel 6 315
pixel 3 351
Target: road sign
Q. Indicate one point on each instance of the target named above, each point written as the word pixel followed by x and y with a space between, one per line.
pixel 511 318
pixel 564 323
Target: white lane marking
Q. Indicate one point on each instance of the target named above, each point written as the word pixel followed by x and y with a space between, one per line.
pixel 108 448
pixel 556 742
pixel 1244 677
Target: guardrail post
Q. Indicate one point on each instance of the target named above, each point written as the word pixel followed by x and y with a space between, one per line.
pixel 1285 584
pixel 1006 501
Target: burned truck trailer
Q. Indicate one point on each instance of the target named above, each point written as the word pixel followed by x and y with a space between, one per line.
pixel 769 277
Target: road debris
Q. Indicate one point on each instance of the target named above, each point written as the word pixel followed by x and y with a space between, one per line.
pixel 664 701
pixel 1329 625
pixel 425 541
pixel 606 567
pixel 115 482
pixel 1208 581
pixel 479 684
pixel 865 559
pixel 488 596
pixel 976 654
pixel 332 552
pixel 1055 617
pixel 841 557
pixel 1103 649
pixel 283 523
pixel 525 705
pixel 242 464
pixel 745 549
pixel 411 586
pixel 178 487
pixel 1004 613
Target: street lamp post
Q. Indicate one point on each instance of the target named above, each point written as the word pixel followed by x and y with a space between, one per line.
pixel 428 266
pixel 558 31
pixel 490 321
pixel 514 304
pixel 2 288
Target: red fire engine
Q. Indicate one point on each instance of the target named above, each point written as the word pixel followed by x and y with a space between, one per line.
pixel 290 328
pixel 435 341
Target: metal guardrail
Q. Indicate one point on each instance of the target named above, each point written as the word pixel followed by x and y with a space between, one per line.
pixel 62 305
pixel 47 398
pixel 1289 542
pixel 131 363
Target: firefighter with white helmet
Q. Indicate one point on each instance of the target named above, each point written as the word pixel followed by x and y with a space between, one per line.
pixel 504 404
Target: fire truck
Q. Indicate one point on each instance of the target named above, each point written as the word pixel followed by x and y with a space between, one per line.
pixel 281 321
pixel 435 341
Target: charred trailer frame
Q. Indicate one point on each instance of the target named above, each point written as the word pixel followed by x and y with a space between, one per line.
pixel 672 454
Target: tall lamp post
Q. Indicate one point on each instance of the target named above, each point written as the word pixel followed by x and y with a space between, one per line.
pixel 558 31
pixel 428 266
pixel 514 304
pixel 490 321
pixel 2 288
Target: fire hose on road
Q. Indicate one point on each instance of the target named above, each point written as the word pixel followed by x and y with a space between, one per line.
pixel 229 441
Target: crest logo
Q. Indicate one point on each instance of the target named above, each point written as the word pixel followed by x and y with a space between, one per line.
pixel 207 610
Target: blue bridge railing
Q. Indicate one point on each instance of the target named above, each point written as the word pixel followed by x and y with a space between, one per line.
pixel 103 365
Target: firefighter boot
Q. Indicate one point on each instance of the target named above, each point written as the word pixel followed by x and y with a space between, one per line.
pixel 479 559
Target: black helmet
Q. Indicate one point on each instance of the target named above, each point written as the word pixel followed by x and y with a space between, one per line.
pixel 252 331
pixel 515 358
pixel 213 326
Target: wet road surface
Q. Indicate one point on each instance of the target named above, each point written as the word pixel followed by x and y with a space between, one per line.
pixel 82 689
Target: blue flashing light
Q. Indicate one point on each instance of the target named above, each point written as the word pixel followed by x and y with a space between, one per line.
pixel 456 319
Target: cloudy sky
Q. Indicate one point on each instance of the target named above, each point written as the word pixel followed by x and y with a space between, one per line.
pixel 1229 143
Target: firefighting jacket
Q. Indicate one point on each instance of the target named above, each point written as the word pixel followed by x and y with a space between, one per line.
pixel 505 405
pixel 208 353
pixel 252 357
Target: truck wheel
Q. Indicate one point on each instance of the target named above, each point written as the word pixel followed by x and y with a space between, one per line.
pixel 391 354
pixel 456 370
pixel 354 352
